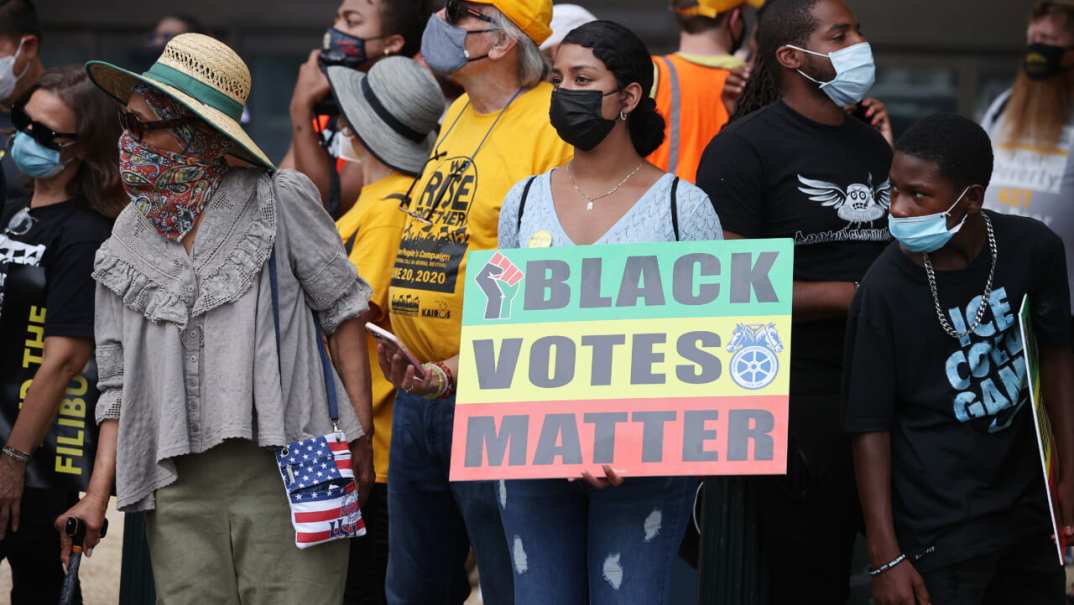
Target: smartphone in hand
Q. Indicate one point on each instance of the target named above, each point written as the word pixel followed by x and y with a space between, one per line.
pixel 394 345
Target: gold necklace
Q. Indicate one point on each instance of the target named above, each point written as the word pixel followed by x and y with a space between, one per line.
pixel 590 200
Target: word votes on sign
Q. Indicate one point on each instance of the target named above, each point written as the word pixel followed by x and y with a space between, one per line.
pixel 660 359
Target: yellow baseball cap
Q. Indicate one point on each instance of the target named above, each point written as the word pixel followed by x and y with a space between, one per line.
pixel 710 8
pixel 533 17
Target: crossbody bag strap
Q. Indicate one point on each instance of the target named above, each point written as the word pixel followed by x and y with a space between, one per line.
pixel 326 363
pixel 675 207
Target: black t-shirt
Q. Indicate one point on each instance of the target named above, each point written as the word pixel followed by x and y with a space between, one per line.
pixel 47 290
pixel 966 473
pixel 777 173
pixel 56 254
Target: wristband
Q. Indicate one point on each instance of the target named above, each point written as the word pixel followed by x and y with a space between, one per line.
pixel 887 566
pixel 16 455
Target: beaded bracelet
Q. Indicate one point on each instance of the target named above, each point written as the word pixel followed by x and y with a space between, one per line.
pixel 886 566
pixel 441 380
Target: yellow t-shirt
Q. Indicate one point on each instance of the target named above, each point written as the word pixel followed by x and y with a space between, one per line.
pixel 461 192
pixel 371 230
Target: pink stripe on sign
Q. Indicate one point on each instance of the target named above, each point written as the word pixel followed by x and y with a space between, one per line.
pixel 692 436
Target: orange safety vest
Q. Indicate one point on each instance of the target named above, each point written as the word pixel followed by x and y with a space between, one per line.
pixel 687 93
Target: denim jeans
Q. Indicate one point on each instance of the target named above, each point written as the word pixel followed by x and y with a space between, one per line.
pixel 433 522
pixel 574 545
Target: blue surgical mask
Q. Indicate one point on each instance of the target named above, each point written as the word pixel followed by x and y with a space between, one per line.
pixel 443 46
pixel 926 233
pixel 34 159
pixel 855 73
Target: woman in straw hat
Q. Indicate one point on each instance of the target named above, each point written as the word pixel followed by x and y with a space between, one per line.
pixel 388 129
pixel 196 378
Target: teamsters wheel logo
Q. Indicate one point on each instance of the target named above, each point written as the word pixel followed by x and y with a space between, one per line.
pixel 754 364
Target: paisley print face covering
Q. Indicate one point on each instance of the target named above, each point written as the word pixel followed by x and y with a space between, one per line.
pixel 171 189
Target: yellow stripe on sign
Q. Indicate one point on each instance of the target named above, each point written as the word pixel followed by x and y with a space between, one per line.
pixel 720 356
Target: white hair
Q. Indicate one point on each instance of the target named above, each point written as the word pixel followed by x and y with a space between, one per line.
pixel 531 62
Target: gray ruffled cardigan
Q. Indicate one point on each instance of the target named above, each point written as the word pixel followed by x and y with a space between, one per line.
pixel 186 348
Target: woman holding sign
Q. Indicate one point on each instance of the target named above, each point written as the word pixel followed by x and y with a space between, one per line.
pixel 575 541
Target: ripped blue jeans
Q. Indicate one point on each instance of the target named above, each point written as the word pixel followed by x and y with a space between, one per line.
pixel 574 545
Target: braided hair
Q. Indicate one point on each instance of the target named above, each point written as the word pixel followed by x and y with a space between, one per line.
pixel 626 56
pixel 782 22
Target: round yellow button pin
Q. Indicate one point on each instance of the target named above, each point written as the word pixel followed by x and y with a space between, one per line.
pixel 541 239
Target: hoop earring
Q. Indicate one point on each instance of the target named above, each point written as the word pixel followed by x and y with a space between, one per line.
pixel 623 116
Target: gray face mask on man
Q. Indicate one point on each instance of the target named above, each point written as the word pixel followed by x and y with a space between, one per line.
pixel 443 46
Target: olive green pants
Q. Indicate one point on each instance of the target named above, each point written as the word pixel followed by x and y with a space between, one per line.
pixel 222 534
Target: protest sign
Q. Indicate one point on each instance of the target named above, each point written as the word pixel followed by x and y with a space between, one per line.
pixel 657 359
pixel 1041 424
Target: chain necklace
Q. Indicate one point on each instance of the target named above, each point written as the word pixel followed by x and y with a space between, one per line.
pixel 931 273
pixel 590 200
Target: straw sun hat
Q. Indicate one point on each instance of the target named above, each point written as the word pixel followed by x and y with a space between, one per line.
pixel 394 110
pixel 203 74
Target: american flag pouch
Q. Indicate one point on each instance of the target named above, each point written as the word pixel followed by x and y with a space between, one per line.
pixel 316 472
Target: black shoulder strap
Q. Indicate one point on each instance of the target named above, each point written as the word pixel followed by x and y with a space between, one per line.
pixel 675 207
pixel 522 202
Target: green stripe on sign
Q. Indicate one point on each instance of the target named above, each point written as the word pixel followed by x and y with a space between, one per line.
pixel 630 281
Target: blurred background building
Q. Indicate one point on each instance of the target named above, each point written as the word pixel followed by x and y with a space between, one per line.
pixel 933 55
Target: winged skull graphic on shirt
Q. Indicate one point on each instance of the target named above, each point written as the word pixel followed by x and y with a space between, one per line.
pixel 859 203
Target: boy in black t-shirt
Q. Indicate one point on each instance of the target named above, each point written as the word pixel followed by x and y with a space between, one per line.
pixel 948 469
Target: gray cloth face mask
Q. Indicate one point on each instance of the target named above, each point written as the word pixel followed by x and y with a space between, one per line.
pixel 443 46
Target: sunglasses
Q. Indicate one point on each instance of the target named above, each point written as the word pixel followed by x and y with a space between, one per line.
pixel 457 10
pixel 137 127
pixel 38 131
pixel 21 223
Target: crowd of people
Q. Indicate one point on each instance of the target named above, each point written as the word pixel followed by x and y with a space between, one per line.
pixel 163 279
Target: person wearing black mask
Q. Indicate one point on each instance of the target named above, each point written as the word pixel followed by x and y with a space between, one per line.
pixel 1032 129
pixel 793 164
pixel 363 32
pixel 579 542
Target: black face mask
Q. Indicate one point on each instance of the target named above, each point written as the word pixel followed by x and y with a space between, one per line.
pixel 1044 61
pixel 340 48
pixel 576 115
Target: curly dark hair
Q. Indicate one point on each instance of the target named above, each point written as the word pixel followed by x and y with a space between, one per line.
pixel 959 146
pixel 782 22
